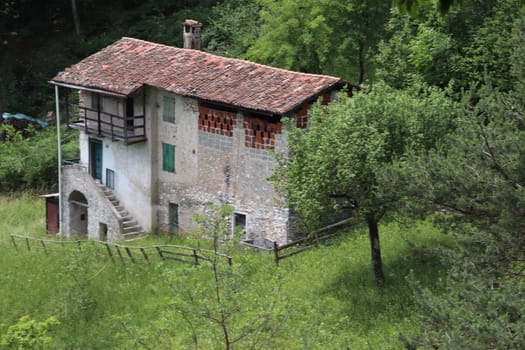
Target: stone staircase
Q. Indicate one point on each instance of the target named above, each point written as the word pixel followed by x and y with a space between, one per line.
pixel 131 229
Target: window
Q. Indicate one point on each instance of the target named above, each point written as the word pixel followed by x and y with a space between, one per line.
pixel 168 114
pixel 174 217
pixel 102 231
pixel 110 179
pixel 97 102
pixel 239 223
pixel 168 157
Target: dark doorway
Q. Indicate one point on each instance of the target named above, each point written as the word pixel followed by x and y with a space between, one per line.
pixel 78 213
pixel 102 232
pixel 174 217
pixel 95 158
pixel 130 112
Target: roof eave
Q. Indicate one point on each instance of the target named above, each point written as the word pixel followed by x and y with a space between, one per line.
pixel 237 107
pixel 90 89
pixel 337 85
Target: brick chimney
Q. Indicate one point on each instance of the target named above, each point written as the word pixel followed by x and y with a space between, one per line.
pixel 192 34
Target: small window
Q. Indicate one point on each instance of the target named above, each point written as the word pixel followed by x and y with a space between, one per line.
pixel 130 113
pixel 102 231
pixel 174 217
pixel 110 179
pixel 239 223
pixel 97 102
pixel 168 157
pixel 168 114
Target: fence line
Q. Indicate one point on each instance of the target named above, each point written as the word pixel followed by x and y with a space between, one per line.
pixel 307 243
pixel 121 252
pixel 179 253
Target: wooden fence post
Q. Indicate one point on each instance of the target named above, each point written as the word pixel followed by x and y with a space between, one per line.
pixel 27 244
pixel 129 253
pixel 43 245
pixel 276 252
pixel 196 257
pixel 109 252
pixel 120 254
pixel 14 242
pixel 144 254
pixel 160 252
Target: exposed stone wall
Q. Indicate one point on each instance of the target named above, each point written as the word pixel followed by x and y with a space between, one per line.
pixel 99 209
pixel 225 169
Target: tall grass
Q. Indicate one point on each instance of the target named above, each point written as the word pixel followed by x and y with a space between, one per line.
pixel 22 213
pixel 328 297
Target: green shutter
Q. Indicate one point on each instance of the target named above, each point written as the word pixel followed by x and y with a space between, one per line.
pixel 168 114
pixel 168 157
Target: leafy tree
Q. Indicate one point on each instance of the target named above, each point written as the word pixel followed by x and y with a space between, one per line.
pixel 412 6
pixel 464 47
pixel 331 37
pixel 477 183
pixel 232 27
pixel 478 186
pixel 340 161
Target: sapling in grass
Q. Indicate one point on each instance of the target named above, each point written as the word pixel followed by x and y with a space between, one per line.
pixel 228 304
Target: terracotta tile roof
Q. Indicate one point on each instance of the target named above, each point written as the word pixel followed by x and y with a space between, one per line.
pixel 126 65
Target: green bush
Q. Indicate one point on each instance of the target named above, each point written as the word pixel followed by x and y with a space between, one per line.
pixel 28 334
pixel 32 162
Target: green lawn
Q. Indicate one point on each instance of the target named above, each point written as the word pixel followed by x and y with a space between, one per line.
pixel 324 298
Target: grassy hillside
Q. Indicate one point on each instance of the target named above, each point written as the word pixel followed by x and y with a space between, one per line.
pixel 321 299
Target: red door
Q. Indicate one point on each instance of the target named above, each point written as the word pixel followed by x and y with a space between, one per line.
pixel 52 221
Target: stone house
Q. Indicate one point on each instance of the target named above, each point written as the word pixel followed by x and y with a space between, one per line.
pixel 166 131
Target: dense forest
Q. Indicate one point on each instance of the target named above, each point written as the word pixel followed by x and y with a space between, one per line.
pixel 437 130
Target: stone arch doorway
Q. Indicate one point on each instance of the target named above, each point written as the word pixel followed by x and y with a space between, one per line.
pixel 78 213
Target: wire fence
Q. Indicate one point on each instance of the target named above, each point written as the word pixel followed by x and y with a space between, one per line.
pixel 123 253
pixel 290 249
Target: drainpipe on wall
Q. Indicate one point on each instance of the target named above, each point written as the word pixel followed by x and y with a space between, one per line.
pixel 59 150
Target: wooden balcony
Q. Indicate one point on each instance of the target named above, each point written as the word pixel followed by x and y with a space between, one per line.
pixel 131 129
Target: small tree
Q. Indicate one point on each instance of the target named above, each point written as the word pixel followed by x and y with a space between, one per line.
pixel 215 301
pixel 340 162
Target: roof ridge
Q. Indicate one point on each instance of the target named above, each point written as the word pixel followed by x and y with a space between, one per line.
pixel 230 58
pixel 129 63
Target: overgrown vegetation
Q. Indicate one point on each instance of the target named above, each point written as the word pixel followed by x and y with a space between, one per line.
pixel 469 178
pixel 324 298
pixel 32 162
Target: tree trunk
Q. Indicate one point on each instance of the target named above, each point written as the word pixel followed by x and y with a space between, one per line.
pixel 377 264
pixel 361 55
pixel 75 17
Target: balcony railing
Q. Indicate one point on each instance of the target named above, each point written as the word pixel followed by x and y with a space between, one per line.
pixel 130 129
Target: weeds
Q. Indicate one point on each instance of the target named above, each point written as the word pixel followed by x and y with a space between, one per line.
pixel 323 298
